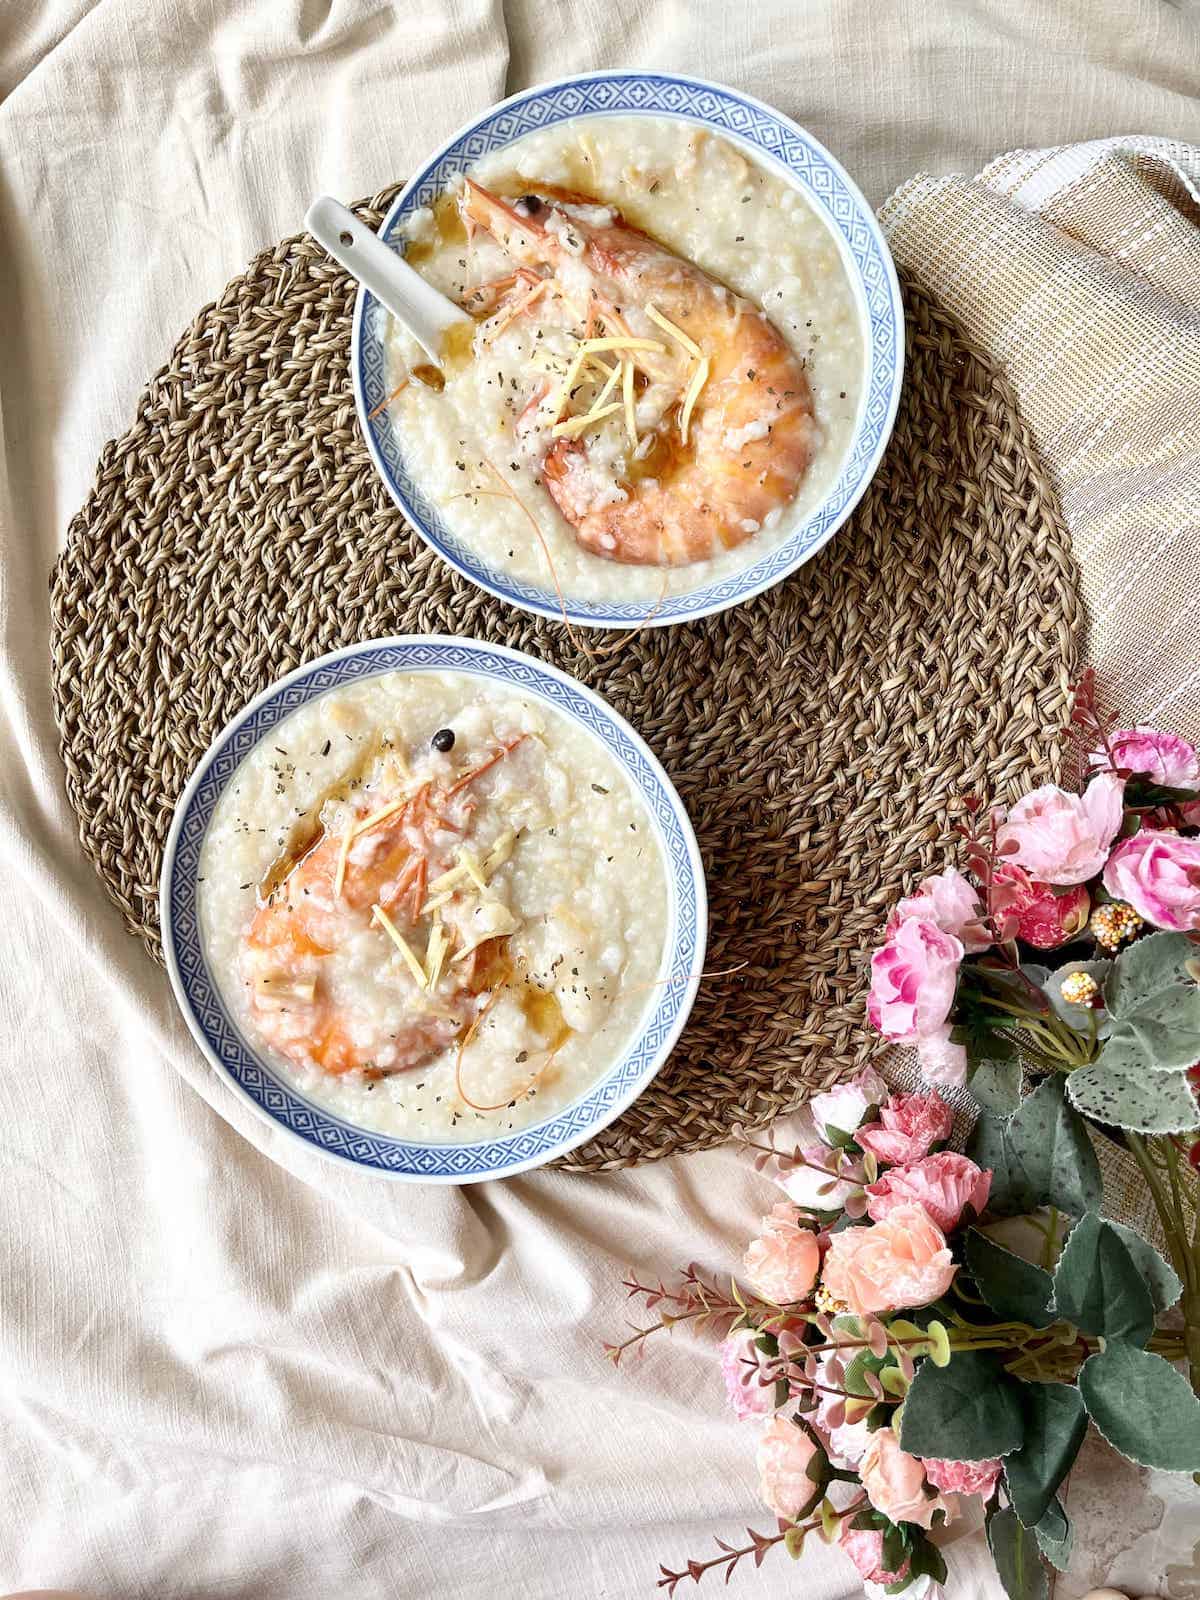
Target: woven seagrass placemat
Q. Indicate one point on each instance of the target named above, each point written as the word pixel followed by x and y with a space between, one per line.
pixel 819 735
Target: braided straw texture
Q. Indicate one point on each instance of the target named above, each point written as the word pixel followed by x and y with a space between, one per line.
pixel 820 735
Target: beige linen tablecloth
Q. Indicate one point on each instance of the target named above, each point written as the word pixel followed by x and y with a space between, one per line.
pixel 225 1376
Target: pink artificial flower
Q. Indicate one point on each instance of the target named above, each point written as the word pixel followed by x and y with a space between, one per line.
pixel 1063 838
pixel 742 1367
pixel 895 1483
pixel 1159 875
pixel 784 1453
pixel 913 978
pixel 909 1126
pixel 1044 919
pixel 950 902
pixel 864 1546
pixel 816 1187
pixel 942 1061
pixel 962 1477
pixel 1162 757
pixel 783 1262
pixel 844 1106
pixel 944 1184
pixel 898 1262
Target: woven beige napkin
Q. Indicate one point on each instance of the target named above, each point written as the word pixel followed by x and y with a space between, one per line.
pixel 1078 270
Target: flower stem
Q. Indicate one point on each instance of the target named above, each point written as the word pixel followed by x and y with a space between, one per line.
pixel 1185 1253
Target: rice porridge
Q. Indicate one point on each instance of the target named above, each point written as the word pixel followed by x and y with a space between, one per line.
pixel 435 906
pixel 664 368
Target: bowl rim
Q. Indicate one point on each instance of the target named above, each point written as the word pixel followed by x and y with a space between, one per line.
pixel 677 882
pixel 543 602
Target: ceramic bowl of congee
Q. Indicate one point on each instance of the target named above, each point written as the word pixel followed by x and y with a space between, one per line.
pixel 683 359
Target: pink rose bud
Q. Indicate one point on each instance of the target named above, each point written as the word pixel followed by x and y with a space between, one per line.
pixel 943 1184
pixel 895 1483
pixel 909 1126
pixel 1044 919
pixel 864 1546
pixel 901 1261
pixel 1063 838
pixel 913 978
pixel 1164 758
pixel 962 1477
pixel 784 1454
pixel 951 904
pixel 783 1262
pixel 749 1382
pixel 1159 875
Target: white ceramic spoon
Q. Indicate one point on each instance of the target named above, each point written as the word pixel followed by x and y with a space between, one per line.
pixel 425 312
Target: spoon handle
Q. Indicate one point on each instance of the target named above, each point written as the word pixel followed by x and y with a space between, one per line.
pixel 418 305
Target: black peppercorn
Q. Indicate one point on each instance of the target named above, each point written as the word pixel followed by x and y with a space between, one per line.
pixel 530 204
pixel 443 740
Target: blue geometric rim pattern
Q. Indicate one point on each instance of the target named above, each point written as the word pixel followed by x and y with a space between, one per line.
pixel 828 190
pixel 200 994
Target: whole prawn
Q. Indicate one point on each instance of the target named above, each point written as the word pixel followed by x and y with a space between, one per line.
pixel 691 486
pixel 380 862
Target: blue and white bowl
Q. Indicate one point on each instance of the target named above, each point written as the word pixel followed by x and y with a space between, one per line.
pixel 268 1090
pixel 777 143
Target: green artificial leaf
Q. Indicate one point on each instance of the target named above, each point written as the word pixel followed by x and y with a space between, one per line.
pixel 1049 1147
pixel 1146 1102
pixel 1054 1535
pixel 1013 1287
pixel 894 1549
pixel 1144 793
pixel 1159 1276
pixel 996 1085
pixel 925 1561
pixel 1055 1423
pixel 967 1411
pixel 1098 1287
pixel 1162 1035
pixel 837 1137
pixel 1143 1407
pixel 856 1370
pixel 1146 967
pixel 1018 1562
pixel 988 1147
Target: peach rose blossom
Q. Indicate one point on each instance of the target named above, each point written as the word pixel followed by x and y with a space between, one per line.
pixel 1162 757
pixel 909 1126
pixel 742 1364
pixel 845 1105
pixel 782 1263
pixel 913 978
pixel 949 901
pixel 895 1483
pixel 962 1477
pixel 901 1261
pixel 1063 838
pixel 784 1453
pixel 1159 875
pixel 944 1184
pixel 864 1546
